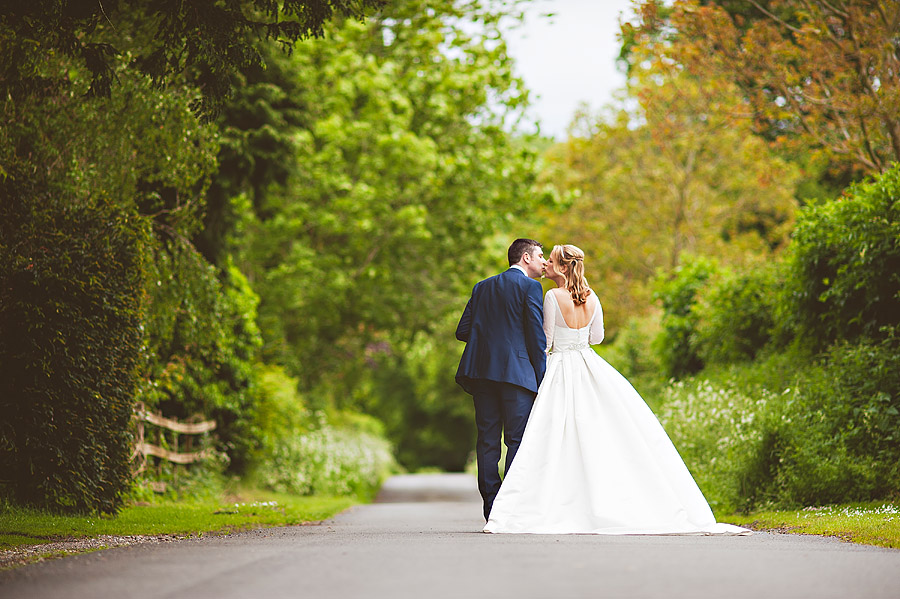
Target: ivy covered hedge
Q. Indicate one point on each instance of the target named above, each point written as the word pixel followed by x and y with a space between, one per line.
pixel 70 312
pixel 93 193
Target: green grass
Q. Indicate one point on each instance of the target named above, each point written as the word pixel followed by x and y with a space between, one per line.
pixel 866 523
pixel 249 508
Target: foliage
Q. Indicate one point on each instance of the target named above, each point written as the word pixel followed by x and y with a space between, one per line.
pixel 813 418
pixel 844 265
pixel 677 345
pixel 395 152
pixel 359 181
pixel 70 310
pixel 75 250
pixel 715 429
pixel 161 39
pixel 70 152
pixel 735 314
pixel 792 430
pixel 305 452
pixel 818 72
pixel 201 345
pixel 670 172
pixel 844 446
pixel 426 414
pixel 630 352
pixel 328 461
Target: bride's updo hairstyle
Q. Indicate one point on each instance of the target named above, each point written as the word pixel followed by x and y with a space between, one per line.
pixel 572 258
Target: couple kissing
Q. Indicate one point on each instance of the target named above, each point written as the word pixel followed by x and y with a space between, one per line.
pixel 584 452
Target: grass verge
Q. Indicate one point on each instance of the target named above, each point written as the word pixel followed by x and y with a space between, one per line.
pixel 246 509
pixel 865 523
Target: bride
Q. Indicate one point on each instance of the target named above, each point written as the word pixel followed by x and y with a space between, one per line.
pixel 593 458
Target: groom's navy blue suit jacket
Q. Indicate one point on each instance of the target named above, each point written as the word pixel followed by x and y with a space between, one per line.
pixel 502 326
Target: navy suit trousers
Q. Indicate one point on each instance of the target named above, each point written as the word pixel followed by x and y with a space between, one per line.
pixel 497 406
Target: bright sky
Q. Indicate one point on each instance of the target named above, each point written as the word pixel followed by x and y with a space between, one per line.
pixel 568 58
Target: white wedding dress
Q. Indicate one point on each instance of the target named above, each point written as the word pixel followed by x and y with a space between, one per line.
pixel 594 459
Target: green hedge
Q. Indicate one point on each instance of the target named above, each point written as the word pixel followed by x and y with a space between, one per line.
pixel 735 314
pixel 676 345
pixel 843 265
pixel 70 310
pixel 799 403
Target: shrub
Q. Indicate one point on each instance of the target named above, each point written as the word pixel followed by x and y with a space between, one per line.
pixel 202 345
pixel 93 190
pixel 676 345
pixel 630 352
pixel 303 452
pixel 428 417
pixel 725 435
pixel 734 315
pixel 327 461
pixel 844 446
pixel 844 265
pixel 792 430
pixel 70 309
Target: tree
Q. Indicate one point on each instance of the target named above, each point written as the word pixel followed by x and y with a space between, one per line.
pixel 675 175
pixel 209 41
pixel 823 73
pixel 360 180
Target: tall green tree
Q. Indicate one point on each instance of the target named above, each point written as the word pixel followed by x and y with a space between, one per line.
pixel 360 180
pixel 207 42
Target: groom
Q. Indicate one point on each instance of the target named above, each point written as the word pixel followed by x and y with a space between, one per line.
pixel 504 360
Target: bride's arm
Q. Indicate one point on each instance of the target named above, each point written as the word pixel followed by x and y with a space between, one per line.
pixel 549 318
pixel 596 334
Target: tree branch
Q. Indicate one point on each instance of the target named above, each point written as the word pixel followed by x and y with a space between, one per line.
pixel 774 17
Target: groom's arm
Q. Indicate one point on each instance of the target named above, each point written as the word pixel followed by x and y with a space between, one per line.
pixel 465 323
pixel 535 338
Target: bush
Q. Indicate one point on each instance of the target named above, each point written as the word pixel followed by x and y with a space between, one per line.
pixel 845 444
pixel 728 437
pixel 676 345
pixel 734 315
pixel 70 310
pixel 814 423
pixel 630 352
pixel 93 191
pixel 201 347
pixel 328 461
pixel 428 417
pixel 844 265
pixel 792 430
pixel 307 453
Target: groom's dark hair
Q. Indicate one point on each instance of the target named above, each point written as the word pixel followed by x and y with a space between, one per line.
pixel 521 246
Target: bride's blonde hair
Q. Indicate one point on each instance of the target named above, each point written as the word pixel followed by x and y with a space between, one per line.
pixel 573 259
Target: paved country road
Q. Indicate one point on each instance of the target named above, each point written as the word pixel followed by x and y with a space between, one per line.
pixel 422 539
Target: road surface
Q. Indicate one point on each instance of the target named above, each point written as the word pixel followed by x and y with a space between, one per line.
pixel 423 539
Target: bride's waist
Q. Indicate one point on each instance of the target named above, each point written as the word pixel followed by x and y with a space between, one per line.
pixel 570 346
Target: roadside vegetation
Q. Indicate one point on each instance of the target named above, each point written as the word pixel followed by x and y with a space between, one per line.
pixel 235 510
pixel 867 523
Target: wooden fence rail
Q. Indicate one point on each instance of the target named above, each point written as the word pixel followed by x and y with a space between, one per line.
pixel 144 449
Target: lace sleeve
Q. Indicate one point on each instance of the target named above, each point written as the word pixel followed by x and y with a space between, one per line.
pixel 596 334
pixel 549 318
